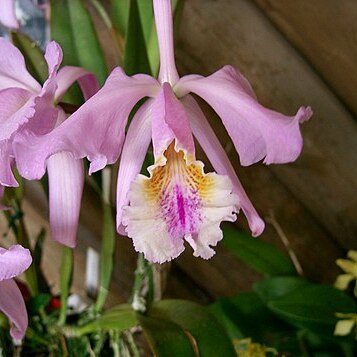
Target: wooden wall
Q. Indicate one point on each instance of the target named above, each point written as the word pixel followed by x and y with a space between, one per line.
pixel 294 53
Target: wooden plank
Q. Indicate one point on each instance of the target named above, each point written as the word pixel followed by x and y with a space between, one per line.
pixel 324 179
pixel 325 31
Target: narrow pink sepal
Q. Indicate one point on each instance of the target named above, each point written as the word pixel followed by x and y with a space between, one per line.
pixel 65 181
pixel 35 110
pixel 13 72
pixel 11 100
pixel 257 132
pixel 169 122
pixel 53 56
pixel 164 28
pixel 7 178
pixel 16 107
pixel 14 97
pixel 7 14
pixel 13 306
pixel 220 161
pixel 95 130
pixel 135 147
pixel 13 114
pixel 67 75
pixel 13 261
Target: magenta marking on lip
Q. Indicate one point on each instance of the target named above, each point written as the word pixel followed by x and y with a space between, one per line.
pixel 180 206
pixel 181 210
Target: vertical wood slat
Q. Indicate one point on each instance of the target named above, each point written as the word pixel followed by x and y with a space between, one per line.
pixel 324 178
pixel 325 31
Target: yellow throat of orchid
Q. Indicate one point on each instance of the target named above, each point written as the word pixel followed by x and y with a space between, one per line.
pixel 178 202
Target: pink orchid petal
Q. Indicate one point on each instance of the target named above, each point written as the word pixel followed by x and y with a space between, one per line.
pixel 164 29
pixel 256 131
pixel 169 122
pixel 13 306
pixel 13 261
pixel 7 178
pixel 67 75
pixel 13 112
pixel 220 161
pixel 95 130
pixel 38 111
pixel 16 107
pixel 43 118
pixel 7 14
pixel 13 72
pixel 53 56
pixel 135 147
pixel 21 108
pixel 45 114
pixel 65 180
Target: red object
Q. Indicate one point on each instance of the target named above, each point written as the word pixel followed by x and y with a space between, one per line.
pixel 55 303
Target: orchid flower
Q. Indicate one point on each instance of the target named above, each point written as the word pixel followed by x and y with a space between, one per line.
pixel 7 14
pixel 13 262
pixel 26 106
pixel 178 202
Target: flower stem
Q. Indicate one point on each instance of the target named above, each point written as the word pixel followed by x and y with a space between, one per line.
pixel 17 224
pixel 140 287
pixel 66 273
pixel 108 244
pixel 30 274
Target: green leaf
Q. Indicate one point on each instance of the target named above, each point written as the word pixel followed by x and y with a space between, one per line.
pixel 6 346
pixel 146 12
pixel 135 55
pixel 119 11
pixel 76 347
pixel 138 26
pixel 106 256
pixel 273 288
pixel 313 307
pixel 210 336
pixel 38 302
pixel 166 338
pixel 37 262
pixel 246 316
pixel 72 28
pixel 35 60
pixel 120 319
pixel 261 256
pixel 218 310
pixel 66 273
